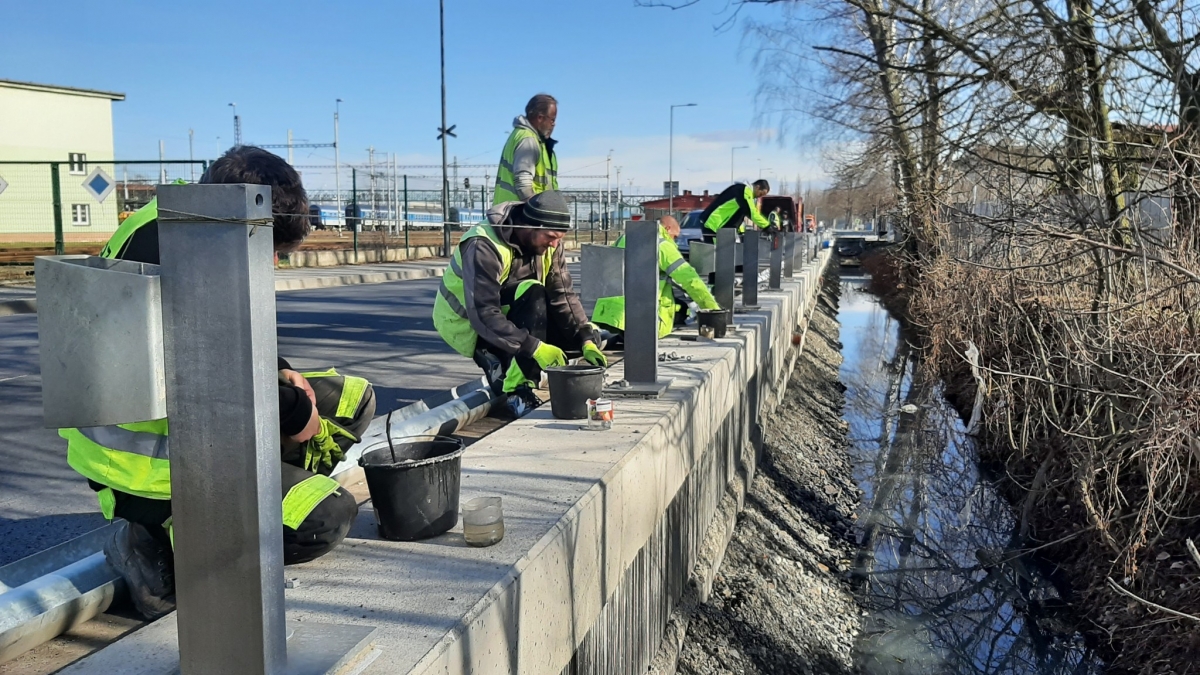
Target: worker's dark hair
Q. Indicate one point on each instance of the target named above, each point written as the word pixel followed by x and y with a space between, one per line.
pixel 289 202
pixel 762 184
pixel 539 105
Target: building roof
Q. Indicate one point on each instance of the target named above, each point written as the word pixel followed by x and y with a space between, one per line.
pixel 55 89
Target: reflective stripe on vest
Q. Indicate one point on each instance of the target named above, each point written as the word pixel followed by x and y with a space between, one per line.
pixel 304 496
pixel 545 174
pixel 132 458
pixel 449 310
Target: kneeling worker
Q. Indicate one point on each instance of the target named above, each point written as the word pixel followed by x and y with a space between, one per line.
pixel 730 208
pixel 321 416
pixel 507 302
pixel 673 270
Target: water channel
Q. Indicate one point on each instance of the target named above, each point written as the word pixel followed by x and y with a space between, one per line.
pixel 944 589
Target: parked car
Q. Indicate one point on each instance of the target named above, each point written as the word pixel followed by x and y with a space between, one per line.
pixel 691 229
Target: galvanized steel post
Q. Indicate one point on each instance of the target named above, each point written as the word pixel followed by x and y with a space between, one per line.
pixel 750 270
pixel 219 331
pixel 726 267
pixel 641 302
pixel 776 263
pixel 56 198
pixel 789 254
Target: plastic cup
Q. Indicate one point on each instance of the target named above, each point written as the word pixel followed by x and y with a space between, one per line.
pixel 483 521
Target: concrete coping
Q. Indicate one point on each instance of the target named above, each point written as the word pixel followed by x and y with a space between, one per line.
pixel 578 507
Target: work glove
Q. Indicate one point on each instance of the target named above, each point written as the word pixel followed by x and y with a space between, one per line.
pixel 548 356
pixel 321 452
pixel 593 355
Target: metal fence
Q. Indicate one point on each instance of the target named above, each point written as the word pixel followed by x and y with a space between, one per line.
pixel 79 200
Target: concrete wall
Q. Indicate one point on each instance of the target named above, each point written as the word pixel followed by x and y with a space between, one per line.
pixel 44 124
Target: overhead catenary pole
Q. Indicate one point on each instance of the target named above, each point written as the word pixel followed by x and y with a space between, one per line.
pixel 607 188
pixel 192 153
pixel 290 162
pixel 337 165
pixel 444 131
pixel 162 169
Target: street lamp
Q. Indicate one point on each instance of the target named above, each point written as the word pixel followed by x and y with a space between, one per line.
pixel 671 159
pixel 731 151
pixel 337 164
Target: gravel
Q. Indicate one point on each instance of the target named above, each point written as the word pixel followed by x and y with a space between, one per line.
pixel 781 601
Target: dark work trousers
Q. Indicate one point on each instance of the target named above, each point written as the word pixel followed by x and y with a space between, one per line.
pixel 530 311
pixel 325 526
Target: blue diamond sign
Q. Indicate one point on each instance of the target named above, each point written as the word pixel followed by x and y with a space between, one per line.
pixel 99 184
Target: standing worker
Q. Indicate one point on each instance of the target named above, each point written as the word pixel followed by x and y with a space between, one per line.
pixel 735 203
pixel 320 416
pixel 506 299
pixel 609 313
pixel 528 164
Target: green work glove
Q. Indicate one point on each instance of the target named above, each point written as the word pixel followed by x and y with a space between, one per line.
pixel 593 355
pixel 548 356
pixel 322 451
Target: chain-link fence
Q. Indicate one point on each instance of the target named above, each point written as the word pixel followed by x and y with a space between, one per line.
pixel 44 203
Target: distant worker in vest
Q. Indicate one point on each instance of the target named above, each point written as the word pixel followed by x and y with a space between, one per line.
pixel 674 271
pixel 321 415
pixel 528 164
pixel 507 302
pixel 730 208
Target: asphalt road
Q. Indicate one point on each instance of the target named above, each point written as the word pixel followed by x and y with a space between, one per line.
pixel 382 332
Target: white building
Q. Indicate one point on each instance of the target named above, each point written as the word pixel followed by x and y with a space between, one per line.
pixel 40 124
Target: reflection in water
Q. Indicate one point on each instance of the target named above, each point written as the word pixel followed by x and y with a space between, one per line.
pixel 944 588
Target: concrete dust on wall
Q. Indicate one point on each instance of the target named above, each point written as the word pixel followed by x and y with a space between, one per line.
pixel 779 599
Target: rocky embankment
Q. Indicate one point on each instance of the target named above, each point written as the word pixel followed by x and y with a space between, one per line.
pixel 780 600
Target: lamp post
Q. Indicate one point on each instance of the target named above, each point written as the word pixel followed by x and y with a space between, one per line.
pixel 337 164
pixel 671 159
pixel 731 151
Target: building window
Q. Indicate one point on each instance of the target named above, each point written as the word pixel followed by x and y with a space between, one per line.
pixel 78 163
pixel 81 215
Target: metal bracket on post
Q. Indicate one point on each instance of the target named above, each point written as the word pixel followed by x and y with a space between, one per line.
pixel 726 267
pixel 602 272
pixel 641 313
pixel 702 257
pixel 789 254
pixel 776 263
pixel 798 254
pixel 218 294
pixel 750 250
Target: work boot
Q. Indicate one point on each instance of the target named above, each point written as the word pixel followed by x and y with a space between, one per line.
pixel 145 565
pixel 518 404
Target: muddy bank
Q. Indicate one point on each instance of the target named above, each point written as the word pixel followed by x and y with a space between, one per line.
pixel 780 602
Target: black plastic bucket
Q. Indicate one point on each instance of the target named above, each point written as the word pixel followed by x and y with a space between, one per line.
pixel 717 319
pixel 570 389
pixel 414 486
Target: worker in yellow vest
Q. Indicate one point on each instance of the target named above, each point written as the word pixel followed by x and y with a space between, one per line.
pixel 528 164
pixel 674 271
pixel 507 301
pixel 321 415
pixel 733 206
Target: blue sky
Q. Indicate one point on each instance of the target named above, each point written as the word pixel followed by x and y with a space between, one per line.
pixel 614 67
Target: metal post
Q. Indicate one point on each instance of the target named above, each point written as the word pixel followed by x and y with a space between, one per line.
pixel 789 254
pixel 219 330
pixel 191 153
pixel 289 146
pixel 641 311
pixel 354 207
pixel 726 267
pixel 337 166
pixel 444 132
pixel 56 198
pixel 750 270
pixel 406 215
pixel 776 274
pixel 162 170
